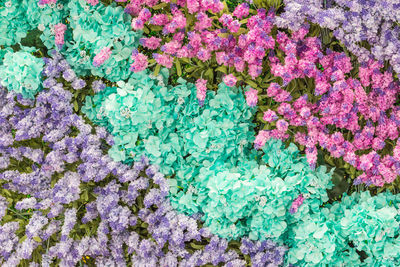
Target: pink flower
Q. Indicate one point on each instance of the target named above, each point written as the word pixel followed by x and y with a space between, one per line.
pixel 151 43
pixel 230 80
pixel 137 24
pixel 140 62
pixel 159 19
pixel 92 2
pixel 192 6
pixel 163 60
pixel 241 10
pixel 296 204
pixel 46 2
pixel 201 90
pixel 203 54
pixel 251 97
pixel 270 116
pixel 261 138
pixel 59 30
pixel 282 125
pixel 102 56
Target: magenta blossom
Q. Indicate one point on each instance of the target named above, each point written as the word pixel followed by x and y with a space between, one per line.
pixel 102 56
pixel 251 97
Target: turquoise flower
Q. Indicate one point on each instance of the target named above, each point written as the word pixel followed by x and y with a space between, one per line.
pixel 370 224
pixel 17 18
pixel 21 72
pixel 96 27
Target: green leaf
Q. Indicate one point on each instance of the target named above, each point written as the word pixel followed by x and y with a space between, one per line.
pixel 85 196
pixel 197 247
pixel 157 69
pixel 191 69
pixel 159 6
pixel 23 239
pixel 76 107
pixel 222 69
pixel 178 67
pixel 37 239
pixel 251 83
pixel 209 74
pixel 146 29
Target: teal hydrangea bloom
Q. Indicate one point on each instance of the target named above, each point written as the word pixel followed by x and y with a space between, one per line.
pixel 96 27
pixel 369 224
pixel 13 24
pixel 17 18
pixel 21 72
pixel 209 153
pixel 254 197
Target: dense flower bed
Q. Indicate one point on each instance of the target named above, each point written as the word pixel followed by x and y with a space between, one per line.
pixel 199 133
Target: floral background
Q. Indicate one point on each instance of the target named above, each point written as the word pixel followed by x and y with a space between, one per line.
pixel 199 133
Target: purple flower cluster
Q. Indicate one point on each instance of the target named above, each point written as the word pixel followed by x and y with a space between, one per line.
pixel 73 184
pixel 355 21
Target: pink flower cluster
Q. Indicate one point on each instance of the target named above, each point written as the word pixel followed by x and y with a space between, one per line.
pixel 353 119
pixel 245 50
pixel 296 204
pixel 140 61
pixel 46 2
pixel 201 90
pixel 251 97
pixel 59 30
pixel 230 80
pixel 92 2
pixel 102 56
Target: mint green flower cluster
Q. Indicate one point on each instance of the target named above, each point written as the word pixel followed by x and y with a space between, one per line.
pixel 254 198
pixel 207 150
pixel 96 27
pixel 359 222
pixel 21 72
pixel 19 17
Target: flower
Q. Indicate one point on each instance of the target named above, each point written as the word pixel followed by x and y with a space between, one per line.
pixel 251 97
pixel 102 56
pixel 21 72
pixel 230 80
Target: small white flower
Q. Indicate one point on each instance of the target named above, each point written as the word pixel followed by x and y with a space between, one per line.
pixel 41 27
pixel 86 58
pixel 126 112
pixel 52 5
pixel 8 4
pixel 99 116
pixel 82 53
pixel 86 8
pixel 108 71
pixel 60 6
pixel 181 101
pixel 161 83
pixel 263 201
pixel 51 30
pixel 192 189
